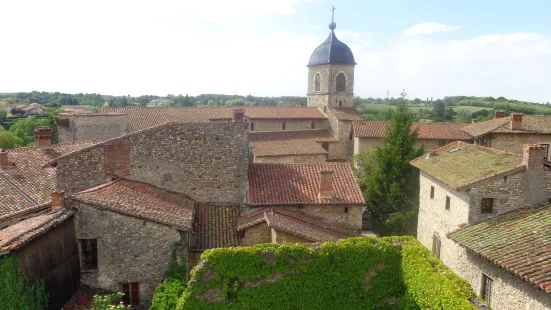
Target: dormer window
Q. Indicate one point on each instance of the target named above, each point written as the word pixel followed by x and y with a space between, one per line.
pixel 341 82
pixel 317 82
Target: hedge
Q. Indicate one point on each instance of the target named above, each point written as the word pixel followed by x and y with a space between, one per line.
pixel 355 273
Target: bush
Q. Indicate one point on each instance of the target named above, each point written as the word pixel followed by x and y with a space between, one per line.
pixel 16 292
pixel 355 273
pixel 109 302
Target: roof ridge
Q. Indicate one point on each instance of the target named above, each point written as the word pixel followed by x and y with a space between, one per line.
pixel 32 147
pixel 97 187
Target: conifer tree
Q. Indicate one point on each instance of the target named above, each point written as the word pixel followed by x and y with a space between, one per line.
pixel 391 186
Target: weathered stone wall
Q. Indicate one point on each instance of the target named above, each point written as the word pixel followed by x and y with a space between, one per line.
pixel 327 96
pixel 260 233
pixel 83 127
pixel 291 159
pixel 337 150
pixel 509 291
pixel 337 214
pixel 514 142
pixel 129 249
pixel 207 162
pixel 290 124
pixel 281 237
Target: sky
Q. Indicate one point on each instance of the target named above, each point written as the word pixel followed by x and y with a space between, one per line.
pixel 430 48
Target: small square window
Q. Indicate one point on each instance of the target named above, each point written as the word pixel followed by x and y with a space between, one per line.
pixel 487 206
pixel 431 192
pixel 505 179
pixel 345 210
pixel 448 202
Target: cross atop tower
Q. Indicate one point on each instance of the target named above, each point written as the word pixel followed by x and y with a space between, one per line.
pixel 333 14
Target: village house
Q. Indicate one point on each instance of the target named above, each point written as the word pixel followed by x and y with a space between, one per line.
pixel 477 206
pixel 368 134
pixel 511 133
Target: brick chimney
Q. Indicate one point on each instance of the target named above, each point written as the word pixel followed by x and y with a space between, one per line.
pixel 499 114
pixel 533 155
pixel 43 137
pixel 4 159
pixel 238 115
pixel 534 175
pixel 516 121
pixel 326 184
pixel 58 201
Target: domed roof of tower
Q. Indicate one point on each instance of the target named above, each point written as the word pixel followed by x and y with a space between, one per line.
pixel 332 51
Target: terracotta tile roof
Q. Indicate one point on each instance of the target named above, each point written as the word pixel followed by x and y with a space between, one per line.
pixel 440 131
pixel 518 241
pixel 141 117
pixel 531 124
pixel 460 164
pixel 16 235
pixel 215 226
pixel 82 299
pixel 32 185
pixel 61 115
pixel 346 114
pixel 296 184
pixel 141 200
pixel 297 224
pixel 289 142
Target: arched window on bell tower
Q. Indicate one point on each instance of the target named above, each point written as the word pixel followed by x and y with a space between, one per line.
pixel 317 82
pixel 341 82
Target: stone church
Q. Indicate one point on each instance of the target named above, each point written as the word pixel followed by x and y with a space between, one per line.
pixel 129 187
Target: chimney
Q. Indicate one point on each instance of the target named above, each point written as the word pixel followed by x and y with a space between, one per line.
pixel 430 154
pixel 43 137
pixel 326 184
pixel 58 201
pixel 499 114
pixel 238 115
pixel 533 155
pixel 516 121
pixel 4 159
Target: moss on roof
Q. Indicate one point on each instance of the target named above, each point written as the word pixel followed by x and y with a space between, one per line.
pixel 460 164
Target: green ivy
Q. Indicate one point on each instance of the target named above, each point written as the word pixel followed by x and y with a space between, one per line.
pixel 355 273
pixel 16 291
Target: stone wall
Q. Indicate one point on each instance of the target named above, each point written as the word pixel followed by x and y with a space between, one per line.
pixel 328 85
pixel 292 159
pixel 207 162
pixel 290 124
pixel 129 249
pixel 281 237
pixel 260 233
pixel 82 127
pixel 337 150
pixel 514 142
pixel 336 214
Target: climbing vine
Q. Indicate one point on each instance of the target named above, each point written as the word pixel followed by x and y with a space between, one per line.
pixel 16 291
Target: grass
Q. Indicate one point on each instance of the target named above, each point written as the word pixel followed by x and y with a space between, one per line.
pixel 464 108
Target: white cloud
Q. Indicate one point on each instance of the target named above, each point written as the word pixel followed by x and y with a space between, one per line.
pixel 429 28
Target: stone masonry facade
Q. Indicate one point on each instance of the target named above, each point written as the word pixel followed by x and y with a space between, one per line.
pixel 84 127
pixel 128 249
pixel 514 142
pixel 327 96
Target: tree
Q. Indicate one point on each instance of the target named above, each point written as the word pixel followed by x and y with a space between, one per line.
pixel 440 108
pixel 186 102
pixel 16 291
pixel 24 128
pixel 390 183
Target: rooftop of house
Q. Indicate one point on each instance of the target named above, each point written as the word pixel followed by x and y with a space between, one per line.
pixel 517 241
pixel 142 201
pixel 296 224
pixel 32 106
pixel 289 142
pixel 346 114
pixel 530 124
pixel 299 184
pixel 440 131
pixel 215 227
pixel 25 183
pixel 144 117
pixel 460 165
pixel 19 234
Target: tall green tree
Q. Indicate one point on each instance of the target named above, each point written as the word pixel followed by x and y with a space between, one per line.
pixel 16 291
pixel 390 183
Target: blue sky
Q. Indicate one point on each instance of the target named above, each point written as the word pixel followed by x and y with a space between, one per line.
pixel 260 47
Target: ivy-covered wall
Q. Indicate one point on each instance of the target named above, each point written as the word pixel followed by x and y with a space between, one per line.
pixel 356 273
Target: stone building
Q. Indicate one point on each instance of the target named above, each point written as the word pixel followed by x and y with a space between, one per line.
pixel 511 133
pixel 368 134
pixel 74 127
pixel 470 188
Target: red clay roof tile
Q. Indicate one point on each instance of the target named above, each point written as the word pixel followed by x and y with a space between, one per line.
pixel 439 131
pixel 215 227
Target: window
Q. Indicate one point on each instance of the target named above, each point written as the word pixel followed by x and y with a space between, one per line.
pixel 131 293
pixel 325 146
pixel 340 103
pixel 351 136
pixel 345 210
pixel 341 82
pixel 317 82
pixel 486 293
pixel 431 192
pixel 505 179
pixel 283 125
pixel 546 153
pixel 252 125
pixel 89 251
pixel 436 245
pixel 313 125
pixel 447 202
pixel 487 206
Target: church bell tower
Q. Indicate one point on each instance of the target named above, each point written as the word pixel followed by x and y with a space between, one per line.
pixel 331 73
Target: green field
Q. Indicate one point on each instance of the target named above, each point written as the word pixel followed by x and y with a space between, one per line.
pixel 382 107
pixel 465 108
pixel 375 107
